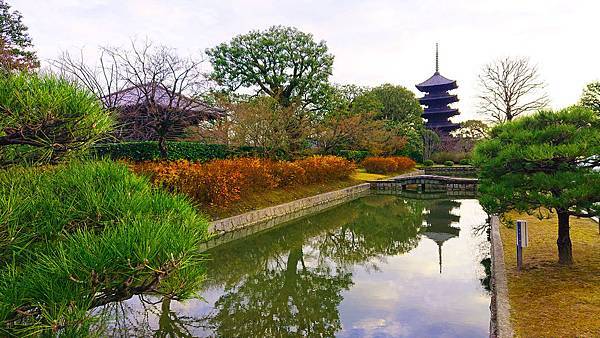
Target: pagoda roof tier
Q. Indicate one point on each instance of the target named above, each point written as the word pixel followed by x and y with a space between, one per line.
pixel 438 99
pixel 445 113
pixel 437 83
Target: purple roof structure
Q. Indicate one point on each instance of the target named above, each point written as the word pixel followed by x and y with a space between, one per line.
pixel 166 99
pixel 437 100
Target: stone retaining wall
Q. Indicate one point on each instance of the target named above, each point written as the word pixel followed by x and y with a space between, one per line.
pixel 225 225
pixel 500 325
pixel 452 171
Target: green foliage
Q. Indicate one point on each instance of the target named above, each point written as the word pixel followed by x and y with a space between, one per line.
pixel 448 163
pixel 366 102
pixel 465 161
pixel 431 142
pixel 15 44
pixel 44 118
pixel 353 155
pixel 281 62
pixel 428 163
pixel 393 103
pixel 76 236
pixel 454 156
pixel 591 96
pixel 473 130
pixel 193 151
pixel 543 160
pixel 401 110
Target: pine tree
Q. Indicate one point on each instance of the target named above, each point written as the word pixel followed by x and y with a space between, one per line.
pixel 15 43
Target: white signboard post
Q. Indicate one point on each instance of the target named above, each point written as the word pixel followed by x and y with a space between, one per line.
pixel 522 241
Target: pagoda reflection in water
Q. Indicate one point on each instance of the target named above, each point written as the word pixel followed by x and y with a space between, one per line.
pixel 438 224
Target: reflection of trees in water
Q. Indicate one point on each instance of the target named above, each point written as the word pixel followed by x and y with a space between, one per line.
pixel 271 291
pixel 295 301
pixel 484 229
pixel 288 281
pixel 124 319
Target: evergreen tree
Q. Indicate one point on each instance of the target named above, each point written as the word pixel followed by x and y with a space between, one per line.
pixel 15 43
pixel 542 163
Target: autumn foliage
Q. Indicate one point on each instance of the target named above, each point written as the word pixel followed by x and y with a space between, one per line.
pixel 384 165
pixel 220 182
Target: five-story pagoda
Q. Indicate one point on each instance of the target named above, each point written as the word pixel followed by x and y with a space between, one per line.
pixel 438 99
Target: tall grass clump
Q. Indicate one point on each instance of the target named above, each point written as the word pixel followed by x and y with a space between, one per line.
pixel 45 118
pixel 81 235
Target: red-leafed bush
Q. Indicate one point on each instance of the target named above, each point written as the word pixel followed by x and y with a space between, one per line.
pixel 386 165
pixel 288 173
pixel 221 182
pixel 325 168
pixel 404 163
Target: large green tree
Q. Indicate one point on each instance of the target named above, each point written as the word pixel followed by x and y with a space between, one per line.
pixel 401 110
pixel 544 162
pixel 15 44
pixel 282 62
pixel 591 96
pixel 393 103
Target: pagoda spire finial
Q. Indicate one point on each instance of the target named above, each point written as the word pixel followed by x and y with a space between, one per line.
pixel 437 59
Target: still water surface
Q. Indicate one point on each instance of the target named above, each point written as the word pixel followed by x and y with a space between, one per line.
pixel 378 266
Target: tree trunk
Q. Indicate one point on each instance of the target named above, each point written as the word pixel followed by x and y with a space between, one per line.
pixel 162 147
pixel 565 252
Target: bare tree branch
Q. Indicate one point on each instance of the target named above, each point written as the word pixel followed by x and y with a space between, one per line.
pixel 154 90
pixel 510 87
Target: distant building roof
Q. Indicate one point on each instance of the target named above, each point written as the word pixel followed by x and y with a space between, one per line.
pixel 166 99
pixel 436 80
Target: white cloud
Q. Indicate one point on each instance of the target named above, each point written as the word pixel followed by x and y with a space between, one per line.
pixel 374 41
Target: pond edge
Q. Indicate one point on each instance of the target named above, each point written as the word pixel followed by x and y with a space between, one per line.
pixel 500 325
pixel 235 223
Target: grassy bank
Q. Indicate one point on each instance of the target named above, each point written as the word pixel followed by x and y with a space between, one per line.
pixel 263 199
pixel 549 300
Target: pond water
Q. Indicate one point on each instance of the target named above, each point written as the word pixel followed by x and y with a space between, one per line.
pixel 378 266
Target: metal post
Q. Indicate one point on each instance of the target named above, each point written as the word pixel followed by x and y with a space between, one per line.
pixel 522 241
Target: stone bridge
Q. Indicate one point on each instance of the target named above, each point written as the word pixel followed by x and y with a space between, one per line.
pixel 427 183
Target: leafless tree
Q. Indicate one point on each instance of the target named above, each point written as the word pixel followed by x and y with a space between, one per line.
pixel 154 91
pixel 509 88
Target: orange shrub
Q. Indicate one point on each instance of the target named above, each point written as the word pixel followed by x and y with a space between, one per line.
pixel 221 182
pixel 385 165
pixel 288 173
pixel 215 183
pixel 404 163
pixel 256 174
pixel 379 165
pixel 325 168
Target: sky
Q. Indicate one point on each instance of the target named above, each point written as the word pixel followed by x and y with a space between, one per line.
pixel 374 42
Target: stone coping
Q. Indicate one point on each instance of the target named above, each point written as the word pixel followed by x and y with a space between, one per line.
pixel 234 223
pixel 500 325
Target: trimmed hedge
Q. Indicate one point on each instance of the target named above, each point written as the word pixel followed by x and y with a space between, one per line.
pixel 192 151
pixel 428 163
pixel 353 155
